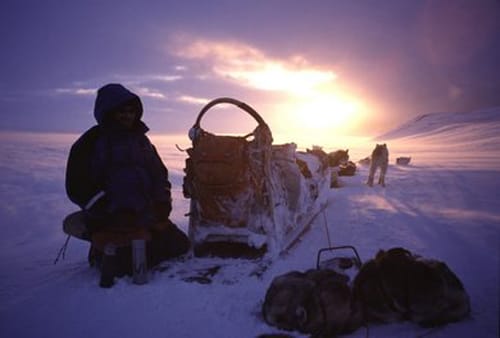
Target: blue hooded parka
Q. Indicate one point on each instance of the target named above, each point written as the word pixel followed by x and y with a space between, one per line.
pixel 112 170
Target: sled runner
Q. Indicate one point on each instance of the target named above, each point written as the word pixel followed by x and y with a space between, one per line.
pixel 248 194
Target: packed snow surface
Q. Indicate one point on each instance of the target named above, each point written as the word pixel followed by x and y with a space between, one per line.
pixel 444 205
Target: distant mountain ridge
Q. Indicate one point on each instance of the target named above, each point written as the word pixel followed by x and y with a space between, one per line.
pixel 432 123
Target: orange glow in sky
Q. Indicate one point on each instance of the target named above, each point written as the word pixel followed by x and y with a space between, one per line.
pixel 322 112
pixel 310 102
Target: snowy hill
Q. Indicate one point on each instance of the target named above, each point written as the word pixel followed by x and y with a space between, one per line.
pixel 448 123
pixel 443 205
pixel 438 138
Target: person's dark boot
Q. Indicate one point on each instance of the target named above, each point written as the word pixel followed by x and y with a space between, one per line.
pixel 108 265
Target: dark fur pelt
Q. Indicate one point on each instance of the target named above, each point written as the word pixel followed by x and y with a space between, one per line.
pixel 398 285
pixel 395 285
pixel 317 302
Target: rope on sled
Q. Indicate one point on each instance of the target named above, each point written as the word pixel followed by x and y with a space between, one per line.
pixel 62 251
pixel 325 222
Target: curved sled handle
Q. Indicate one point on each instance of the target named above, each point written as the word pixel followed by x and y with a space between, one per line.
pixel 235 102
pixel 332 248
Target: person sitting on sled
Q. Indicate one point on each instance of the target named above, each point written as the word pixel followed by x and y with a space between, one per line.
pixel 116 176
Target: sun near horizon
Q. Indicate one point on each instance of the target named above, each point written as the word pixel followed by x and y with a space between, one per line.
pixel 300 98
pixel 316 110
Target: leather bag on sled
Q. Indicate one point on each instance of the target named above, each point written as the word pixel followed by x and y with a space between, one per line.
pixel 222 178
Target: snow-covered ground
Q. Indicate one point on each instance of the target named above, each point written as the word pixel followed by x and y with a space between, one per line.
pixel 444 205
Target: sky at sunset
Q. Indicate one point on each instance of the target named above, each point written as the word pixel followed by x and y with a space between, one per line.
pixel 316 68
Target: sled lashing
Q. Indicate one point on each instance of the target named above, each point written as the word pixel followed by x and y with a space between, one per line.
pixel 248 196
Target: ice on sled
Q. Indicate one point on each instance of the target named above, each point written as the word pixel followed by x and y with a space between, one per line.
pixel 247 193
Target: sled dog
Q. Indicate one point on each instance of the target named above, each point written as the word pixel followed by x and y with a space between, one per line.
pixel 380 158
pixel 317 302
pixel 336 158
